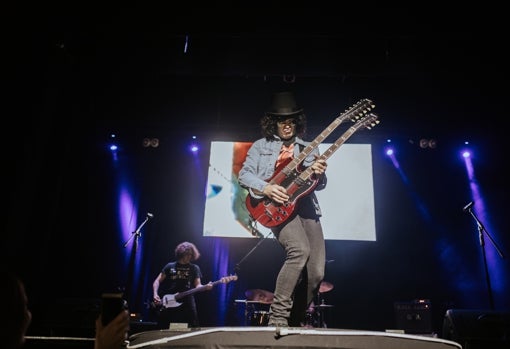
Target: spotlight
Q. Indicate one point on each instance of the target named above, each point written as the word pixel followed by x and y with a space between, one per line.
pixel 150 142
pixel 155 142
pixel 113 145
pixel 290 79
pixel 428 143
pixel 194 148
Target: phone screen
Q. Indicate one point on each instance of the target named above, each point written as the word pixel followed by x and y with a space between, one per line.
pixel 111 305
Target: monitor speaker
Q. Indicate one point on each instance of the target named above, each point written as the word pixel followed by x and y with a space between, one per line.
pixel 475 329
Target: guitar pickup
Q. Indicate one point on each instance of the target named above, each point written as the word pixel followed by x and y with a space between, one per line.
pixel 282 212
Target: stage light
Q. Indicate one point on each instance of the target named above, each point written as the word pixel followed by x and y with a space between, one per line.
pixel 290 79
pixel 194 148
pixel 113 144
pixel 428 143
pixel 466 152
pixel 155 142
pixel 150 142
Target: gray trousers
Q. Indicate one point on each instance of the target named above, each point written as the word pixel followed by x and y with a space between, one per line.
pixel 299 278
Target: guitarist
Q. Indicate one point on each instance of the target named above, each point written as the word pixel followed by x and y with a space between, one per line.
pixel 301 234
pixel 179 276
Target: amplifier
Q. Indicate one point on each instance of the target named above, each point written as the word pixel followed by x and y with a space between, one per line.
pixel 414 316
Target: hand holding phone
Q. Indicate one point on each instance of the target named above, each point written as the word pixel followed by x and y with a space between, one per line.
pixel 111 305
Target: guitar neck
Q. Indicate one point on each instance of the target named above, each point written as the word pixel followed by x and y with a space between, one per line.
pixel 202 288
pixel 371 121
pixel 192 291
pixel 353 113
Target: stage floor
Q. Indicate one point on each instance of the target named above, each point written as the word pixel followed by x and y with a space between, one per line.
pixel 293 337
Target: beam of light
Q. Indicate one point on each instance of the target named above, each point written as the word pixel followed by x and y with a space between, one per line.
pixel 186 38
pixel 127 218
pixel 131 246
pixel 421 205
pixel 390 152
pixel 221 268
pixel 495 281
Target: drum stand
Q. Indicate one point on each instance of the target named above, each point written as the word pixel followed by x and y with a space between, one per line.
pixel 318 313
pixel 253 316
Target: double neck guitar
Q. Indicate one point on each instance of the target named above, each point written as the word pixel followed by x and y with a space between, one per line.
pixel 299 181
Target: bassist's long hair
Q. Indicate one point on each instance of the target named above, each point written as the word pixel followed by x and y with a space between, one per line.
pixel 185 248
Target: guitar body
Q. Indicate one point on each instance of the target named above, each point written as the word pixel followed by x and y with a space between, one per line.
pixel 169 301
pixel 172 300
pixel 271 214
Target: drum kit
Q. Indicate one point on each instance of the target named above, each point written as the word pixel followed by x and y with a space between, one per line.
pixel 256 299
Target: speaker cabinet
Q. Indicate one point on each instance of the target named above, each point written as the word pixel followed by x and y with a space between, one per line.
pixel 413 317
pixel 477 329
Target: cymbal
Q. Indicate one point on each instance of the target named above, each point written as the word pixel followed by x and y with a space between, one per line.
pixel 323 306
pixel 325 287
pixel 248 302
pixel 258 295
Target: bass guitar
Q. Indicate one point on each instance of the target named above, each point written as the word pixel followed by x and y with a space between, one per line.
pixel 172 300
pixel 271 214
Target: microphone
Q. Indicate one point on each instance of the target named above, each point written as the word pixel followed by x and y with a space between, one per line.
pixel 150 215
pixel 468 206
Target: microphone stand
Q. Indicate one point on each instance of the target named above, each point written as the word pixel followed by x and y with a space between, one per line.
pixel 481 231
pixel 237 268
pixel 257 233
pixel 134 236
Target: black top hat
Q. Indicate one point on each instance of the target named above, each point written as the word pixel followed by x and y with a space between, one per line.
pixel 284 104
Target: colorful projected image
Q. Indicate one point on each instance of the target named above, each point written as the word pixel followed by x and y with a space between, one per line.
pixel 347 202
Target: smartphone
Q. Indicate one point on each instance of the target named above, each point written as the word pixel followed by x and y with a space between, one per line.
pixel 111 305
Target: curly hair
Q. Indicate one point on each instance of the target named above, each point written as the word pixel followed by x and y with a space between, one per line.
pixel 185 248
pixel 269 127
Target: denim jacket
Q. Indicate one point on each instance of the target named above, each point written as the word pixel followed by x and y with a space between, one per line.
pixel 259 166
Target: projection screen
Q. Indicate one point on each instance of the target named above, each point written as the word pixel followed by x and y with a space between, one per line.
pixel 347 202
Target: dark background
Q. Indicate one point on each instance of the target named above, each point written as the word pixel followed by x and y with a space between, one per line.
pixel 76 74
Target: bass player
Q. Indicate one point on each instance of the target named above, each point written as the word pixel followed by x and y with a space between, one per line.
pixel 179 276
